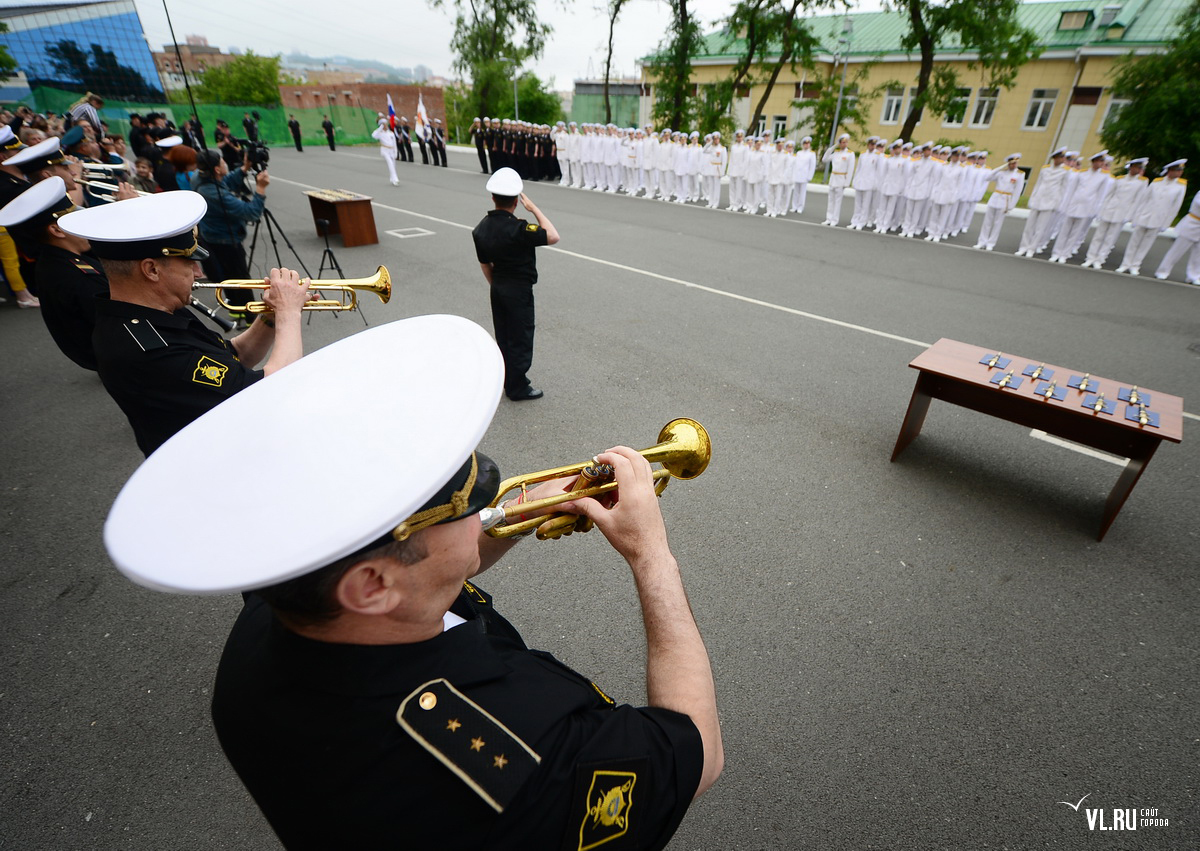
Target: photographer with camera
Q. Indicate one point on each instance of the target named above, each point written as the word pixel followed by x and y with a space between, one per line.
pixel 223 228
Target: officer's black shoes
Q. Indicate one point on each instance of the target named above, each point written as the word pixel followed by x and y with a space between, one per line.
pixel 526 395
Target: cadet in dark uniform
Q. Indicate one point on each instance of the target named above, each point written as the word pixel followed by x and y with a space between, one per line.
pixel 68 279
pixel 327 126
pixel 479 136
pixel 294 126
pixel 376 699
pixel 158 362
pixel 404 138
pixel 505 247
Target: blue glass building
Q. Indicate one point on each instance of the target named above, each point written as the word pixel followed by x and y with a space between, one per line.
pixel 97 47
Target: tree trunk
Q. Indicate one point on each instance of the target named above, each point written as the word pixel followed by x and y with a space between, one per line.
pixel 612 23
pixel 926 70
pixel 680 93
pixel 784 58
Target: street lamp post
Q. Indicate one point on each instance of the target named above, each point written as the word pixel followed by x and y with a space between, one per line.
pixel 843 49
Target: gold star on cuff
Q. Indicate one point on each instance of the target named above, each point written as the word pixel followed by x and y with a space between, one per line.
pixel 453 724
pixel 477 744
pixel 499 761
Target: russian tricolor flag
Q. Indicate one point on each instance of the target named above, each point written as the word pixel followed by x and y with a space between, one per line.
pixel 391 113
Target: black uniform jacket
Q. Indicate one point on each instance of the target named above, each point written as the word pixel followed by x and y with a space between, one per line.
pixel 163 369
pixel 68 285
pixel 312 729
pixel 508 243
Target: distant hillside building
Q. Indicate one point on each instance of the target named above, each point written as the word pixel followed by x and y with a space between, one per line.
pixel 98 47
pixel 1062 98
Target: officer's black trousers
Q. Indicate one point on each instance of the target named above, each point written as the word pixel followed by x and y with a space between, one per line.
pixel 512 318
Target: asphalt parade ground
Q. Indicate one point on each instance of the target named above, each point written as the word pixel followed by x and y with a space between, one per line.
pixel 934 653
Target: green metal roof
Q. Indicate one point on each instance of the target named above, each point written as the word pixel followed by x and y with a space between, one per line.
pixel 1145 22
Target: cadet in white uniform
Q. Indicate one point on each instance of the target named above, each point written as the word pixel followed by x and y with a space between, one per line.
pixel 865 185
pixel 1043 201
pixel 1091 188
pixel 917 189
pixel 779 178
pixel 738 152
pixel 1009 181
pixel 895 177
pixel 1118 208
pixel 841 169
pixel 1156 212
pixel 1187 238
pixel 804 166
pixel 714 167
pixel 387 147
pixel 756 177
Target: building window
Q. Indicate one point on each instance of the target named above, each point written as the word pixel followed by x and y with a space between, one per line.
pixel 1115 105
pixel 1074 20
pixel 985 107
pixel 893 102
pixel 761 127
pixel 779 126
pixel 808 91
pixel 1040 107
pixel 956 113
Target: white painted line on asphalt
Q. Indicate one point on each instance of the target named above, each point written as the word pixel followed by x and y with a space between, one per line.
pixel 408 233
pixel 701 287
pixel 1038 434
pixel 772 306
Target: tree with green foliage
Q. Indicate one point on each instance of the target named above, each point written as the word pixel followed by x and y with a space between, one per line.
pixel 675 104
pixel 492 38
pixel 7 64
pixel 988 28
pixel 776 36
pixel 856 110
pixel 1161 120
pixel 249 79
pixel 539 105
pixel 98 71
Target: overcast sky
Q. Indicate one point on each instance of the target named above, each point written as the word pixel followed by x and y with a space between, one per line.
pixel 410 33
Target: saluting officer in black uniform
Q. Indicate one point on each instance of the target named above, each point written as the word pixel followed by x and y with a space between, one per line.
pixel 504 246
pixel 327 126
pixel 294 126
pixel 158 362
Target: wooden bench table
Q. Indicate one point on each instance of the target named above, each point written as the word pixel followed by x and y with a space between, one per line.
pixel 951 371
pixel 348 213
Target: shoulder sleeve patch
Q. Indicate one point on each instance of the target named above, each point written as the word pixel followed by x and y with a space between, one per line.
pixel 465 738
pixel 606 806
pixel 145 335
pixel 531 227
pixel 209 371
pixel 84 266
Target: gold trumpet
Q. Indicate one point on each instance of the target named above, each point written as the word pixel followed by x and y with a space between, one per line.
pixel 380 283
pixel 110 188
pixel 683 449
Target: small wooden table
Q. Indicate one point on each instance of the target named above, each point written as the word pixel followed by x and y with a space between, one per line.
pixel 349 214
pixel 951 371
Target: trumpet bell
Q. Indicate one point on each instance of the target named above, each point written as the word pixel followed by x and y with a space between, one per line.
pixel 683 449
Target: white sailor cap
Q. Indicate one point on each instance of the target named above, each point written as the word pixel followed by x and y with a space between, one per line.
pixel 983 153
pixel 716 134
pixel 695 134
pixel 1142 161
pixel 896 143
pixel 1099 155
pixel 505 182
pixel 414 468
pixel 806 139
pixel 843 136
pixel 162 225
pixel 39 205
pixel 9 140
pixel 45 153
pixel 906 145
pixel 1059 152
pixel 572 124
pixel 1165 169
pixel 789 144
pixel 1072 155
pixel 739 132
pixel 1012 157
pixel 170 142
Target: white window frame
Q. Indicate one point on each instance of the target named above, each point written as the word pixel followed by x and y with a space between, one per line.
pixel 1044 105
pixel 761 126
pixel 980 99
pixel 778 126
pixel 892 99
pixel 966 99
